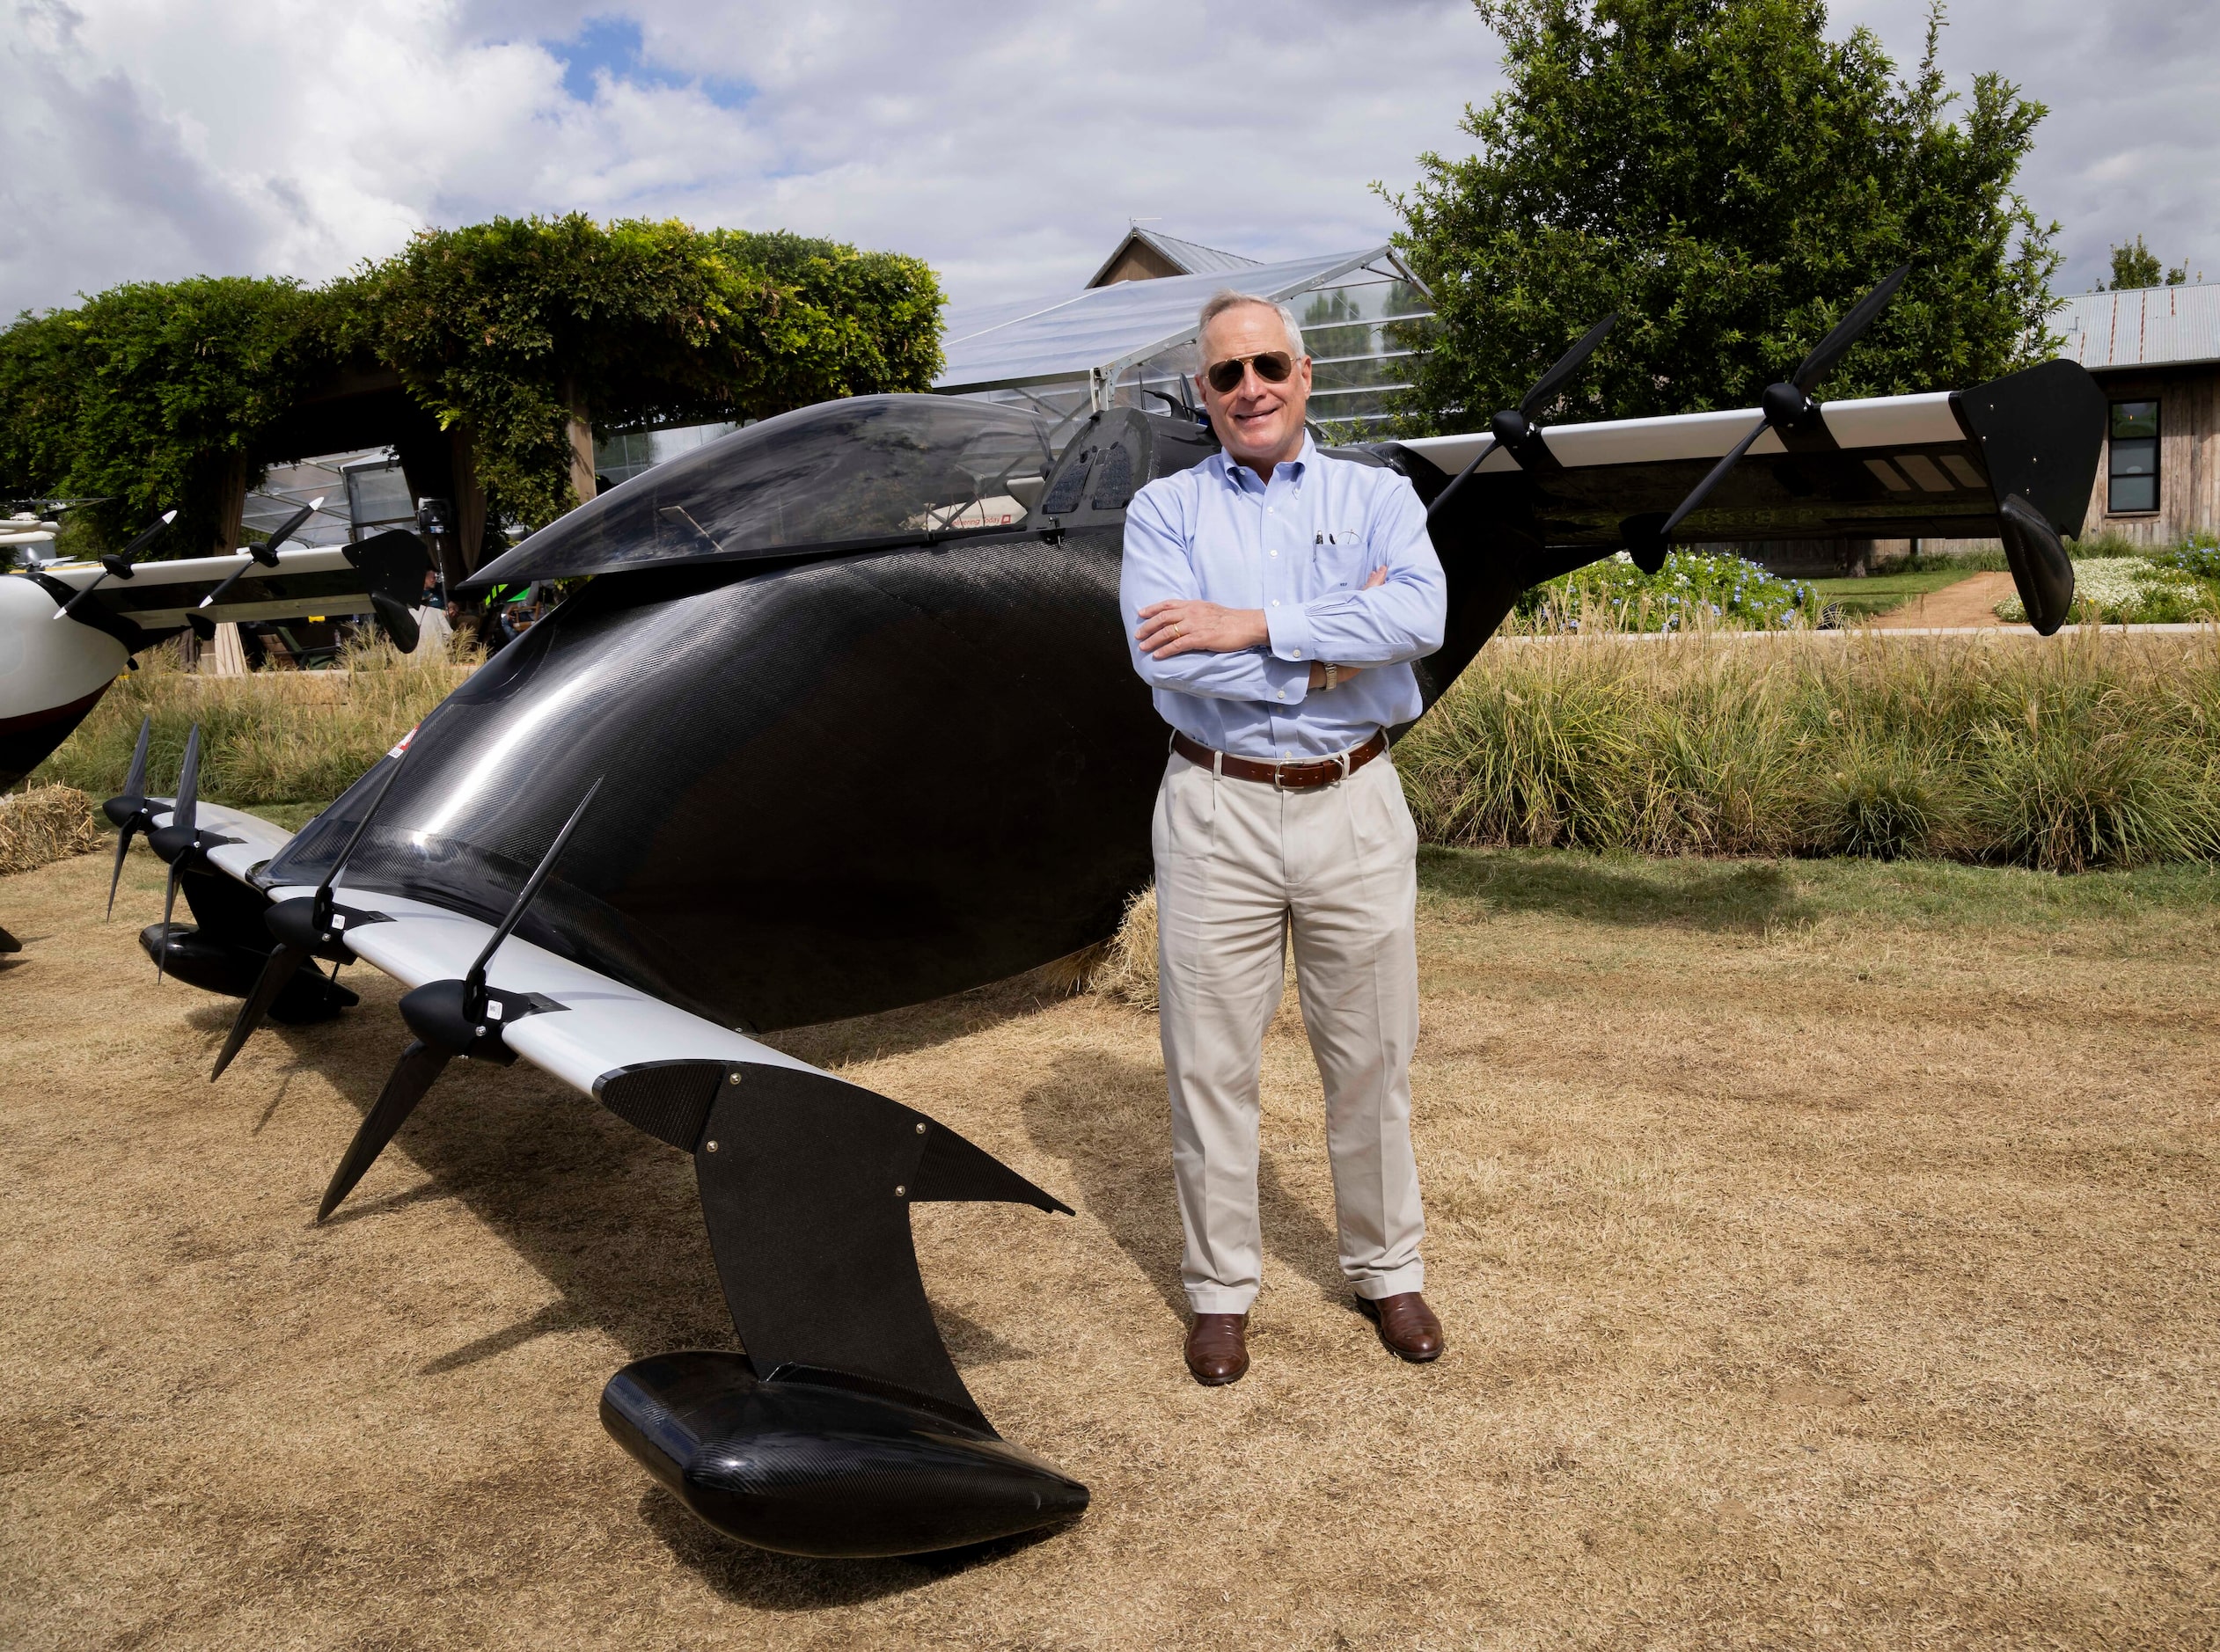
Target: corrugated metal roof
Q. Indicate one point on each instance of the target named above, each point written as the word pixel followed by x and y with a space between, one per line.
pixel 1192 257
pixel 1106 329
pixel 2145 326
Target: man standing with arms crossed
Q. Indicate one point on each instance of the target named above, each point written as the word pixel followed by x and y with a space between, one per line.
pixel 1279 597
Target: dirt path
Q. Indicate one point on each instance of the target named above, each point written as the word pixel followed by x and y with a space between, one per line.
pixel 1971 600
pixel 1819 1269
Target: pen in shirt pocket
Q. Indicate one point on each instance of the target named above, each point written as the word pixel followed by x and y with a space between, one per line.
pixel 1370 571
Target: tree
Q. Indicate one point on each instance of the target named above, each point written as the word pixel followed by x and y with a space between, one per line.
pixel 153 395
pixel 2137 266
pixel 1730 181
pixel 529 330
pixel 521 331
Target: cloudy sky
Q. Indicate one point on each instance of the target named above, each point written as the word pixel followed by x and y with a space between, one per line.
pixel 1008 143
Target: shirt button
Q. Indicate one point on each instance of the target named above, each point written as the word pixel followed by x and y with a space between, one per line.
pixel 1275 602
pixel 1283 694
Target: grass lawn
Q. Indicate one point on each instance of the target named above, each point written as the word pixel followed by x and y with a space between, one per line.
pixel 1826 1251
pixel 1877 593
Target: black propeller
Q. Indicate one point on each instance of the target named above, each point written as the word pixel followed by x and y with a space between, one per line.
pixel 1785 405
pixel 265 553
pixel 1513 426
pixel 174 842
pixel 449 1019
pixel 118 563
pixel 303 927
pixel 127 811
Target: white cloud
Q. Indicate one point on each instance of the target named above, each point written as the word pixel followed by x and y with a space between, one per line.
pixel 1007 144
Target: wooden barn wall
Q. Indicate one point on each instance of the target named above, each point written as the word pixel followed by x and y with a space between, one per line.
pixel 2188 455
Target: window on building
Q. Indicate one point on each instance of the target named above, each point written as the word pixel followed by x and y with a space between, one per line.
pixel 2132 484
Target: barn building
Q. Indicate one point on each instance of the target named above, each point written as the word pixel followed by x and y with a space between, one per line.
pixel 2156 352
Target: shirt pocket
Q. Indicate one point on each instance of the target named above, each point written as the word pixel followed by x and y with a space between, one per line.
pixel 1343 558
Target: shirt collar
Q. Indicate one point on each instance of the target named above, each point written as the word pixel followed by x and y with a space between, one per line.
pixel 1294 468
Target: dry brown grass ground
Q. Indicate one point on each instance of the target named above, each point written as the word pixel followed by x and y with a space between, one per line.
pixel 1827 1253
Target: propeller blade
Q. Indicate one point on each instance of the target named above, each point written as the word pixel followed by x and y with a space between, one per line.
pixel 148 535
pixel 1441 499
pixel 1847 331
pixel 1544 392
pixel 1787 401
pixel 185 813
pixel 227 582
pixel 134 777
pixel 118 563
pixel 188 782
pixel 115 878
pixel 127 811
pixel 276 973
pixel 126 805
pixel 1546 388
pixel 1703 488
pixel 287 958
pixel 475 981
pixel 420 1065
pixel 265 553
pixel 83 596
pixel 385 788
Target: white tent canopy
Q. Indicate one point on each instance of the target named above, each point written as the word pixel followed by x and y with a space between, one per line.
pixel 1094 336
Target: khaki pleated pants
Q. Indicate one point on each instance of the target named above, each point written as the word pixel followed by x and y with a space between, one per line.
pixel 1240 866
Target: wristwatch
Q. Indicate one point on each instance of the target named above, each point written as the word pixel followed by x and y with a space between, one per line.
pixel 1333 675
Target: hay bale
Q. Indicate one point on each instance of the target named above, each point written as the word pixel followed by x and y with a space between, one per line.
pixel 49 822
pixel 1127 969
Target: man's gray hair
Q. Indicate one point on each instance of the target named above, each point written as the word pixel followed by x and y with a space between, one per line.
pixel 1227 299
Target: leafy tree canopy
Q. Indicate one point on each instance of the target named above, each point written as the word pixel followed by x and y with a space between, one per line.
pixel 2137 266
pixel 1730 180
pixel 509 326
pixel 161 394
pixel 151 396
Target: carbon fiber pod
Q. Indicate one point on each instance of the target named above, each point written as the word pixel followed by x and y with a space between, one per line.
pixel 807 1468
pixel 819 802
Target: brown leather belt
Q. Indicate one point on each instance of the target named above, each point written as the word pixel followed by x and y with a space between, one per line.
pixel 1306 776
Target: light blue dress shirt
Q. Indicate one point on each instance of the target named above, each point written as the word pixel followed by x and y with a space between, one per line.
pixel 1301 547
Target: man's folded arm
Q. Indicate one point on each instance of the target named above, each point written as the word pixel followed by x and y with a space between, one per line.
pixel 1388 624
pixel 1250 675
pixel 1156 569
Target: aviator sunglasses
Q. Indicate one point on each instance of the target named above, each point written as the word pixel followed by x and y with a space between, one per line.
pixel 1273 366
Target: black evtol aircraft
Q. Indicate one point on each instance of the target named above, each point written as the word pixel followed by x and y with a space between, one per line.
pixel 844 720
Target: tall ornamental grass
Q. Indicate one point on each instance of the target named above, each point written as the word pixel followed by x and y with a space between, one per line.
pixel 2079 751
pixel 268 737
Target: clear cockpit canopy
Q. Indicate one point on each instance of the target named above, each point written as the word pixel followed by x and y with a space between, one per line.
pixel 866 471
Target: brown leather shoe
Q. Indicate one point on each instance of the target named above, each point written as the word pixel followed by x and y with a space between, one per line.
pixel 1408 1328
pixel 1218 1348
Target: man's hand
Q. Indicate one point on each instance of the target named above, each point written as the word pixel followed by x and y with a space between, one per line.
pixel 1189 627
